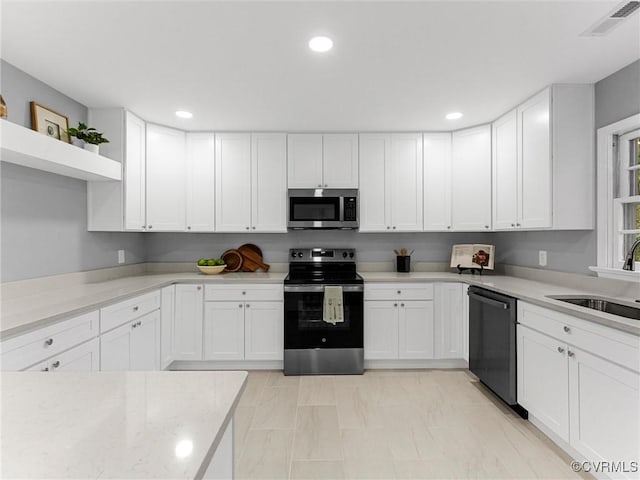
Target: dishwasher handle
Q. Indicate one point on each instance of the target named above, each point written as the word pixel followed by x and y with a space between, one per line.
pixel 489 301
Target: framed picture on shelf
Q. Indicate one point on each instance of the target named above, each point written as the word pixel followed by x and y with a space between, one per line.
pixel 50 123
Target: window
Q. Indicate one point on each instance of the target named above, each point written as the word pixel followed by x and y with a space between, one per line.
pixel 618 196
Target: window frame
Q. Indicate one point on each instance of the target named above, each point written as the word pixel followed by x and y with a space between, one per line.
pixel 609 169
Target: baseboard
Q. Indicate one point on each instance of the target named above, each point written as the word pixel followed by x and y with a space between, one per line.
pixel 226 365
pixel 413 364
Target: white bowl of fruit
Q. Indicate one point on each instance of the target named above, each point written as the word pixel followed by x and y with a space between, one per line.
pixel 211 266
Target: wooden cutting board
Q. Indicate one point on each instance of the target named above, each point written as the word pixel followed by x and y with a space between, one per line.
pixel 252 258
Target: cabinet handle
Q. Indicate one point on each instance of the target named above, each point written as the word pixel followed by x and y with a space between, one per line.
pixel 199 287
pixel 319 185
pixel 517 224
pixel 388 228
pixel 135 309
pixel 560 350
pixel 570 353
pixel 45 369
pixel 394 227
pixel 253 228
pixel 513 224
pixel 150 227
pixel 395 304
pixel 248 305
pixel 55 364
pixel 486 226
pixel 246 228
pixel 139 322
pixel 188 228
pixel 325 185
pixel 566 329
pixel 240 306
pixel 399 292
pixel 448 227
pixel 48 342
pixel 244 293
pixel 402 304
pixel 134 325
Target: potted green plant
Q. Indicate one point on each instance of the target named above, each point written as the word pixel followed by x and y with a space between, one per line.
pixel 91 137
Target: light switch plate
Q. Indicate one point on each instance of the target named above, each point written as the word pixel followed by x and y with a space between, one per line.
pixel 120 256
pixel 542 258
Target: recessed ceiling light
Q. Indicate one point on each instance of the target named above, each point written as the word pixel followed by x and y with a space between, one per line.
pixel 183 114
pixel 453 116
pixel 320 44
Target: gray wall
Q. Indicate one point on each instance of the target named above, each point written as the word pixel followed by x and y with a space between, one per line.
pixel 372 247
pixel 616 97
pixel 44 216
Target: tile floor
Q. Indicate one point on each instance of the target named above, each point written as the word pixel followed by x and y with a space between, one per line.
pixel 418 424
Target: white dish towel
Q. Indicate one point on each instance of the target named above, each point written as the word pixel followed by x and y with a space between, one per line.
pixel 332 311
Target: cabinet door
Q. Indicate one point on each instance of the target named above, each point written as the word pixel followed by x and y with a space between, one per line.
pixel 83 358
pixel 340 160
pixel 187 329
pixel 465 322
pixel 166 171
pixel 543 378
pixel 200 182
pixel 115 348
pixel 405 174
pixel 535 162
pixel 437 181
pixel 505 172
pixel 380 330
pixel 471 179
pixel 605 408
pixel 135 210
pixel 449 336
pixel 415 330
pixel 223 333
pixel 304 160
pixel 269 182
pixel 145 343
pixel 375 153
pixel 233 182
pixel 167 323
pixel 263 331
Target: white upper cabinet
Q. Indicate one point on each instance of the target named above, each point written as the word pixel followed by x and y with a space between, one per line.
pixel 541 151
pixel 390 182
pixel 269 182
pixel 233 182
pixel 251 182
pixel 437 181
pixel 166 174
pixel 471 179
pixel 200 182
pixel 118 206
pixel 318 160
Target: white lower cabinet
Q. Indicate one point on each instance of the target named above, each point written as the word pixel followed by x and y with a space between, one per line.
pixel 223 332
pixel 132 346
pixel 264 331
pixel 187 321
pixel 581 381
pixel 415 329
pixel 167 325
pixel 380 330
pixel 449 320
pixel 82 358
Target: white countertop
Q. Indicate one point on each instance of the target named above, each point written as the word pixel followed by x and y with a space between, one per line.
pixel 39 308
pixel 114 424
pixel 29 311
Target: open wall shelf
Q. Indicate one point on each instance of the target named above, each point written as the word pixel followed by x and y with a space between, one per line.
pixel 22 146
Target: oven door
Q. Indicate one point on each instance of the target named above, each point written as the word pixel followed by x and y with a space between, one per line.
pixel 303 323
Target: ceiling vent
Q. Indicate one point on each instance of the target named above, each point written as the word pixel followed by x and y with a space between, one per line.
pixel 610 21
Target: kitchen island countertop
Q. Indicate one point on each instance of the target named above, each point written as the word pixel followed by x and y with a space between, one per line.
pixel 114 424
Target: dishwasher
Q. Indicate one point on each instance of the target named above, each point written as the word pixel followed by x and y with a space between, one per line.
pixel 492 343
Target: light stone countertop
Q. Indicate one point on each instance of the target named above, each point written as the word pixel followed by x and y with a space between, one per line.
pixel 114 424
pixel 28 311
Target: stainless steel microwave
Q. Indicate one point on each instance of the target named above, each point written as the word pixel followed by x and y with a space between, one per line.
pixel 323 208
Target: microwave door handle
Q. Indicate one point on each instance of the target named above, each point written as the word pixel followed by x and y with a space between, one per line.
pixel 341 208
pixel 489 301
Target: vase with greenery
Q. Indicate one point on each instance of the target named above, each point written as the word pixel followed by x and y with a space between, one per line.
pixel 91 137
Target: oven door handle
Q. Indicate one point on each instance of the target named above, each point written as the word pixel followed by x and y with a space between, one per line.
pixel 490 301
pixel 320 288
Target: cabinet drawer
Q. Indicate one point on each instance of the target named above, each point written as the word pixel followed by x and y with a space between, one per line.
pixel 119 313
pixel 243 292
pixel 398 291
pixel 608 343
pixel 21 352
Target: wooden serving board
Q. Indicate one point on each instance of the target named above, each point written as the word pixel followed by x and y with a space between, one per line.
pixel 252 258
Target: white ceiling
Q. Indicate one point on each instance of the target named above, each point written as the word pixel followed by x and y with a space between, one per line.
pixel 246 66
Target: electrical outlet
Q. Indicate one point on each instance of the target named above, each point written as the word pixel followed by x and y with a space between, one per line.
pixel 120 256
pixel 542 258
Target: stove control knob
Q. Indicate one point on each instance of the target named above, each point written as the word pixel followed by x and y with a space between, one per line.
pixel 299 254
pixel 293 254
pixel 350 254
pixel 344 254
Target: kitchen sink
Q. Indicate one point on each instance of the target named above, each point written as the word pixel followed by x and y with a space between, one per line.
pixel 602 305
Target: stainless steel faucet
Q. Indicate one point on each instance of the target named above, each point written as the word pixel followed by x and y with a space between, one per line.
pixel 629 260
